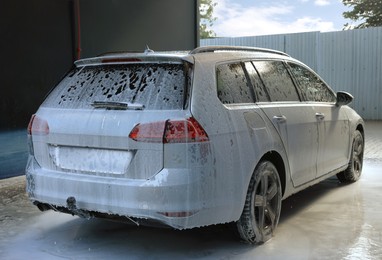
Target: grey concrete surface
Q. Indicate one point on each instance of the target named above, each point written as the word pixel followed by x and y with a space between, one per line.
pixel 326 221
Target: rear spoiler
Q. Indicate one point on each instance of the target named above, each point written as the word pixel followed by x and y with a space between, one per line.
pixel 124 58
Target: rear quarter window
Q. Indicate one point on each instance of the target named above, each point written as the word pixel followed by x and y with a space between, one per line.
pixel 156 86
pixel 261 92
pixel 232 84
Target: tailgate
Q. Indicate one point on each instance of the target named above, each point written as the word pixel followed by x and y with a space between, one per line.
pixel 96 142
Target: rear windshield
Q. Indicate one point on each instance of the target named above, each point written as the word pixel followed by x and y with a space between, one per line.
pixel 156 86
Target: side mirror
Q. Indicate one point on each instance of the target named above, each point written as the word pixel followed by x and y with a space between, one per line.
pixel 344 98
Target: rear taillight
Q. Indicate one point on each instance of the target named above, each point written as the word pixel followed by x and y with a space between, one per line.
pixel 170 131
pixel 38 126
pixel 184 131
pixel 150 132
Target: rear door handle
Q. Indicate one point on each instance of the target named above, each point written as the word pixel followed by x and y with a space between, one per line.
pixel 280 119
pixel 320 116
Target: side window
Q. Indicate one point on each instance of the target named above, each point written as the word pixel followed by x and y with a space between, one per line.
pixel 312 87
pixel 261 92
pixel 232 85
pixel 277 80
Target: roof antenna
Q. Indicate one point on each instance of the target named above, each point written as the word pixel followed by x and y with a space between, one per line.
pixel 148 50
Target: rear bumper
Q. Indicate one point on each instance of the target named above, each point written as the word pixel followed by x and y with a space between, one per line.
pixel 180 198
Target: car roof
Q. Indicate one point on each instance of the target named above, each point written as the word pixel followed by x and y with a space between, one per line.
pixel 215 54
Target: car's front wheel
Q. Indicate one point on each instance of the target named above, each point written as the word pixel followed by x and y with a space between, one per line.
pixel 354 170
pixel 262 207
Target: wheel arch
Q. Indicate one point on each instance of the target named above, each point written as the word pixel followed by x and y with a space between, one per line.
pixel 360 128
pixel 275 158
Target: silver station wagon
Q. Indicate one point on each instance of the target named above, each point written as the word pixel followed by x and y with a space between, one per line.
pixel 221 134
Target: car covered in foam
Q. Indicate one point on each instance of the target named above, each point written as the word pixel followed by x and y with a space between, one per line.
pixel 217 135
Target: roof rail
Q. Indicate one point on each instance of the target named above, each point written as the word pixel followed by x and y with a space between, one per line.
pixel 235 48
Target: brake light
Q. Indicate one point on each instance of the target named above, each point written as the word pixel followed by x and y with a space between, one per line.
pixel 117 60
pixel 38 126
pixel 170 131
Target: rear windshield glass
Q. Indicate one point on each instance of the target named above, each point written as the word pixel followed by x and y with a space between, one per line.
pixel 156 86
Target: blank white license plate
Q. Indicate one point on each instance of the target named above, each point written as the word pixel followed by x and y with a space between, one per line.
pixel 90 160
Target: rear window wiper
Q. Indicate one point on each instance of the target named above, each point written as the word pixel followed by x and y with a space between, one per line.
pixel 117 105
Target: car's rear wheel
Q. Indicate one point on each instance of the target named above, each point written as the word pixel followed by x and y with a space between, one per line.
pixel 354 170
pixel 262 207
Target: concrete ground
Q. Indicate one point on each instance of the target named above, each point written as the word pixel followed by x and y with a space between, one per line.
pixel 326 221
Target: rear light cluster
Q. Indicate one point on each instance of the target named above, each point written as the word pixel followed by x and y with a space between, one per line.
pixel 38 126
pixel 170 131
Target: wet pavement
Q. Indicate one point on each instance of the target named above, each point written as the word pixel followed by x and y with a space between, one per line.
pixel 326 221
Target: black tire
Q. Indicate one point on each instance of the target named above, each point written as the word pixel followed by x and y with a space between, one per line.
pixel 262 207
pixel 354 170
